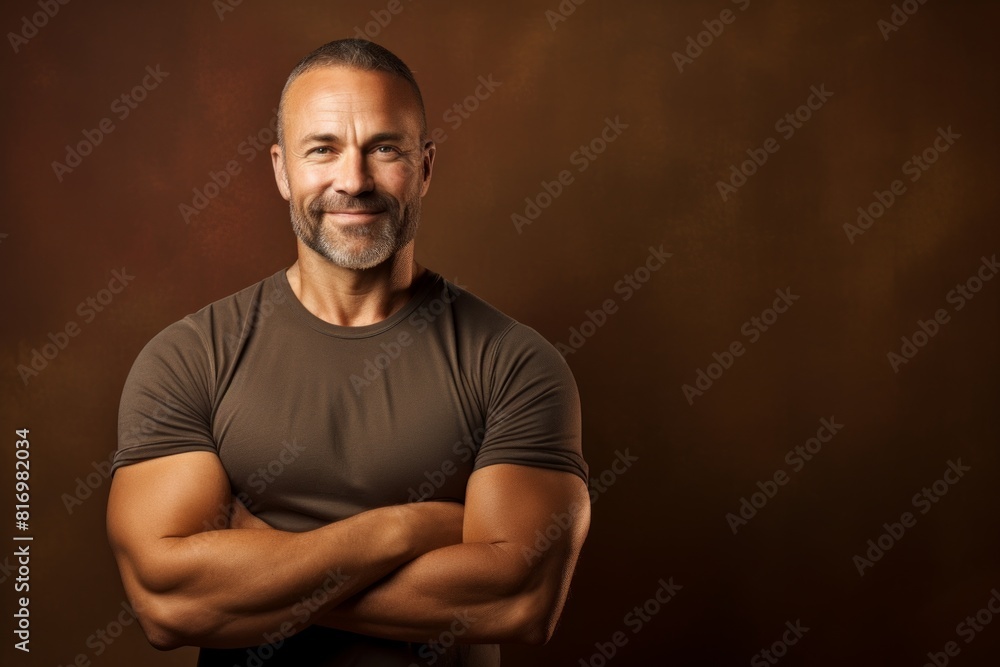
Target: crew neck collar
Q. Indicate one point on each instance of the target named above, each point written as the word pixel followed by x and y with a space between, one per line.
pixel 422 285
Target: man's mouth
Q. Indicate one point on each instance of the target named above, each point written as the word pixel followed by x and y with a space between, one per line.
pixel 354 215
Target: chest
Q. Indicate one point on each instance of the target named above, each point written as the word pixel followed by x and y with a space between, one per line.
pixel 312 430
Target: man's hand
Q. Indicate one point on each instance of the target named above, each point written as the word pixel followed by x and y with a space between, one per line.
pixel 241 518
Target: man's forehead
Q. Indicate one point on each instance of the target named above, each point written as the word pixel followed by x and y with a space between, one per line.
pixel 340 94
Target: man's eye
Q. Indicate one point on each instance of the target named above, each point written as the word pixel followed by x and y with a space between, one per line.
pixel 320 150
pixel 386 150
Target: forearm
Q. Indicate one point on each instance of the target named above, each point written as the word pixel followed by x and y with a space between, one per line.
pixel 227 588
pixel 494 587
pixel 479 592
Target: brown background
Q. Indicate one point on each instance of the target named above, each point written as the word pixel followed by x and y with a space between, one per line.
pixel 656 184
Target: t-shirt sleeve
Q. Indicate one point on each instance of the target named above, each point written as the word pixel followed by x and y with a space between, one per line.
pixel 533 406
pixel 166 403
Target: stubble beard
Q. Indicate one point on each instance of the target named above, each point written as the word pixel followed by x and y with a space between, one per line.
pixel 357 246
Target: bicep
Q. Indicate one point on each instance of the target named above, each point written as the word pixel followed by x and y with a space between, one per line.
pixel 171 496
pixel 514 505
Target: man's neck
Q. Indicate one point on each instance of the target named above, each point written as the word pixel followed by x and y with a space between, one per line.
pixel 350 297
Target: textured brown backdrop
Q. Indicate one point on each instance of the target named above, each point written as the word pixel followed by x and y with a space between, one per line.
pixel 655 184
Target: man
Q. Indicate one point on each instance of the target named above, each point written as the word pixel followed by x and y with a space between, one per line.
pixel 273 445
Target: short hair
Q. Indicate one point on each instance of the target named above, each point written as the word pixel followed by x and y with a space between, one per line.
pixel 357 54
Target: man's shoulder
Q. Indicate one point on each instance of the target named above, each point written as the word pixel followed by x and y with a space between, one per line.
pixel 473 309
pixel 506 335
pixel 221 319
pixel 234 308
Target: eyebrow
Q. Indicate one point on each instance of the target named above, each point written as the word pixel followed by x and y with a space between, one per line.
pixel 327 138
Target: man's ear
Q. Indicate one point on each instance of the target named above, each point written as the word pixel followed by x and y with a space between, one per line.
pixel 280 174
pixel 430 150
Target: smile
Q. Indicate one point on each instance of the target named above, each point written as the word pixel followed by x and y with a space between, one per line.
pixel 355 217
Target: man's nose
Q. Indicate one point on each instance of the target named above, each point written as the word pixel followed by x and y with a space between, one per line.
pixel 351 174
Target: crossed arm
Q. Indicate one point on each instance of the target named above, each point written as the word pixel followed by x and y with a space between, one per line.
pixel 406 572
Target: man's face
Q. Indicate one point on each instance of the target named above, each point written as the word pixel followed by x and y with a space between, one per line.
pixel 353 167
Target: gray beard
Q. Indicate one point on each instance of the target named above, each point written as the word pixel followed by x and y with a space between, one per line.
pixel 381 240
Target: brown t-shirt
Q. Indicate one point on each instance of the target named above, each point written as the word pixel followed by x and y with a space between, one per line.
pixel 315 422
